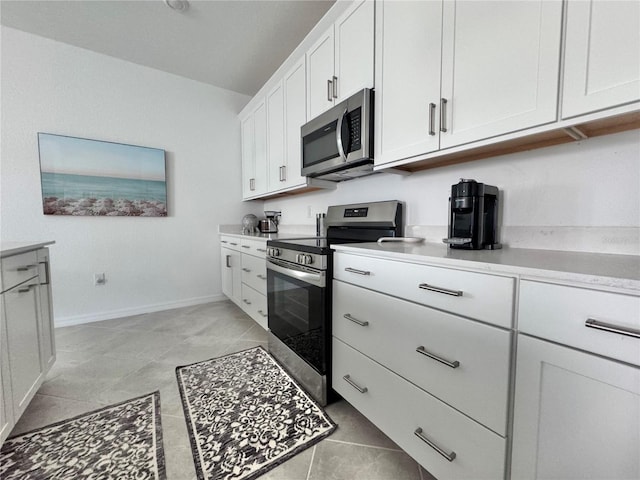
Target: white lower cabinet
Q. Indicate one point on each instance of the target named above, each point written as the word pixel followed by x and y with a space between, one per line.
pixel 446 442
pixel 231 274
pixel 27 346
pixel 577 415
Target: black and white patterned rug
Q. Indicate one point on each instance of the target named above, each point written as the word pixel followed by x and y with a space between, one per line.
pixel 122 441
pixel 246 415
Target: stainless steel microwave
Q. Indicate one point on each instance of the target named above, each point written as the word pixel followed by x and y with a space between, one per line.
pixel 338 144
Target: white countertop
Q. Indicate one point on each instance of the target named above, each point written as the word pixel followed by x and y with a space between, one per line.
pixel 236 231
pixel 13 248
pixel 591 269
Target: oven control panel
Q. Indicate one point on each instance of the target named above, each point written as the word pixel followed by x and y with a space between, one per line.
pixel 304 259
pixel 273 251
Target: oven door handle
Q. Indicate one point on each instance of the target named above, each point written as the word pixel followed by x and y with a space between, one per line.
pixel 318 279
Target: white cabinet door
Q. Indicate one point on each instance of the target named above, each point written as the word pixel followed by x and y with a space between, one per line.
pixel 248 162
pixel 320 75
pixel 500 64
pixel 6 398
pixel 407 99
pixel 23 338
pixel 576 416
pixel 231 274
pixel 47 342
pixel 354 50
pixel 295 115
pixel 260 148
pixel 602 55
pixel 275 138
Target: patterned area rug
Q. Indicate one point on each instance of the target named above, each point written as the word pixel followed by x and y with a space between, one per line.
pixel 246 415
pixel 122 441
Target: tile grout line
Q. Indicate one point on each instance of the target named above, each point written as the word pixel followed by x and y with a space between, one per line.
pixel 364 445
pixel 313 454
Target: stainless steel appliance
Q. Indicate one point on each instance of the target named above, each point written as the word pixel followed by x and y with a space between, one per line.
pixel 338 144
pixel 299 277
pixel 269 224
pixel 473 216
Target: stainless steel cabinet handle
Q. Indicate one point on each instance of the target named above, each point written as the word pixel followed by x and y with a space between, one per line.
pixel 443 114
pixel 362 323
pixel 347 378
pixel 449 456
pixel 246 246
pixel 610 327
pixel 283 173
pixel 446 291
pixel 246 270
pixel 329 91
pixel 454 364
pixel 246 301
pixel 262 313
pixel 228 261
pixel 252 184
pixel 261 277
pixel 335 87
pixel 234 244
pixel 25 289
pixel 432 118
pixel 223 241
pixel 26 268
pixel 355 270
pixel 263 250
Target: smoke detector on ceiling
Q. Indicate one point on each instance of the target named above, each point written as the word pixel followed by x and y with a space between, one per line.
pixel 178 5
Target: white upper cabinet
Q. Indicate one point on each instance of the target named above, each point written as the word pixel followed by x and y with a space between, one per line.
pixel 453 72
pixel 341 61
pixel 295 115
pixel 602 56
pixel 408 51
pixel 254 152
pixel 275 137
pixel 248 163
pixel 500 65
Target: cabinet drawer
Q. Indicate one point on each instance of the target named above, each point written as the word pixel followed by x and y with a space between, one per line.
pixel 560 313
pixel 255 305
pixel 18 269
pixel 485 297
pixel 254 273
pixel 399 408
pixel 476 378
pixel 230 242
pixel 257 248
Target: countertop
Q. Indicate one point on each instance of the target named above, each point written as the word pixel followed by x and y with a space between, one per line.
pixel 13 248
pixel 590 269
pixel 236 231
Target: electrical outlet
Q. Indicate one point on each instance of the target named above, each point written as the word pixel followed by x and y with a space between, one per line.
pixel 99 279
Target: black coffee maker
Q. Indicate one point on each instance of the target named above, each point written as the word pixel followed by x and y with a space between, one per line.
pixel 473 216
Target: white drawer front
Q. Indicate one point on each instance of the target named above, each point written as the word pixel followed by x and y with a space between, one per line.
pixel 560 313
pixel 17 269
pixel 476 295
pixel 398 408
pixel 254 273
pixel 255 305
pixel 230 242
pixel 476 378
pixel 254 247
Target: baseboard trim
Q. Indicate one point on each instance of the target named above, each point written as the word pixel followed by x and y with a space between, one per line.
pixel 127 312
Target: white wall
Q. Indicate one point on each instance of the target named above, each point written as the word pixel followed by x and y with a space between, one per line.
pixel 579 196
pixel 150 263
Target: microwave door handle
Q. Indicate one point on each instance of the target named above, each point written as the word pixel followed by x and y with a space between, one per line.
pixel 339 134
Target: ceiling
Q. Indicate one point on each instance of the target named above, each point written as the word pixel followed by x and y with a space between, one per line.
pixel 236 45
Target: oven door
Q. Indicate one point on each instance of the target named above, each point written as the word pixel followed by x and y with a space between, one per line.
pixel 298 311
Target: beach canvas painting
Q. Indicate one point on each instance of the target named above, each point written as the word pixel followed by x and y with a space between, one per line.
pixel 91 177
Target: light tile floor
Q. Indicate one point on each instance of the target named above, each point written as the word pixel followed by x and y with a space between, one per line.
pixel 110 361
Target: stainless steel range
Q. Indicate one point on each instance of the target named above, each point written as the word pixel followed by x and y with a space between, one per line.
pixel 299 277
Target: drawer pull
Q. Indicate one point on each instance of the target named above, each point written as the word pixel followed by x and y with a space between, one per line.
pixel 223 241
pixel 26 268
pixel 246 301
pixel 610 327
pixel 449 456
pixel 246 270
pixel 25 289
pixel 261 277
pixel 355 270
pixel 234 244
pixel 246 246
pixel 262 313
pixel 446 291
pixel 228 261
pixel 263 250
pixel 454 364
pixel 362 323
pixel 347 378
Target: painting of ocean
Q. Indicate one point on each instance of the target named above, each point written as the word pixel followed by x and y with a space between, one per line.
pixel 90 177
